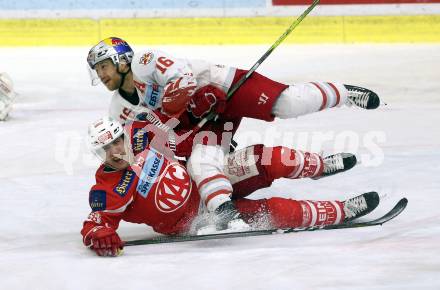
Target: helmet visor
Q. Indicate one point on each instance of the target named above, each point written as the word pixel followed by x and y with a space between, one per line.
pixel 94 79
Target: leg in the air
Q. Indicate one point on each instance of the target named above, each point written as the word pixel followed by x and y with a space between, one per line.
pixel 307 98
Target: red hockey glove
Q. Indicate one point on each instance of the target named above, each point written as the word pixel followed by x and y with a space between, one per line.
pixel 104 241
pixel 177 95
pixel 206 99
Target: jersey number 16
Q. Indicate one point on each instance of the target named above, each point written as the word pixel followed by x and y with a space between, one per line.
pixel 163 63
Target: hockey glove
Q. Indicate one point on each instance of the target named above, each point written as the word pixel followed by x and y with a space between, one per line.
pixel 104 241
pixel 177 95
pixel 207 99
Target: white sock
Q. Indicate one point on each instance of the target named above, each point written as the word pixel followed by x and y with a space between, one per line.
pixel 306 98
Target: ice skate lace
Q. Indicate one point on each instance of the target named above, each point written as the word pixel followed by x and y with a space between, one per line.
pixel 359 98
pixel 333 163
pixel 355 206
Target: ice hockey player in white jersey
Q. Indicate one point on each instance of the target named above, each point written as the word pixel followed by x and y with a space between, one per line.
pixel 153 81
pixel 7 95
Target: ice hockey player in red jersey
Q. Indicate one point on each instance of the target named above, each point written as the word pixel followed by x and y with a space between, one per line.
pixel 152 80
pixel 138 184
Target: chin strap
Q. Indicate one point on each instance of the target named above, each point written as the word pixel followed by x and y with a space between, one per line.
pixel 123 75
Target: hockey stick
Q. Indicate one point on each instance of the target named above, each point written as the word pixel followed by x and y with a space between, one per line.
pixel 213 115
pixel 398 208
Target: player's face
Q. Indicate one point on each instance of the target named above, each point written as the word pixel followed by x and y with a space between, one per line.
pixel 108 74
pixel 115 154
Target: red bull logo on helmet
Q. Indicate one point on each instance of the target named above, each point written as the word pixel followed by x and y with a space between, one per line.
pixel 118 41
pixel 114 41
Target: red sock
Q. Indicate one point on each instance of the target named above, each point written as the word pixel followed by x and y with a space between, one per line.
pixel 304 213
pixel 285 162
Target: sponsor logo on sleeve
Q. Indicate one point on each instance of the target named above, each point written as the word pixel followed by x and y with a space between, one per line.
pixel 150 171
pixel 97 200
pixel 173 188
pixel 146 58
pixel 153 95
pixel 140 140
pixel 125 183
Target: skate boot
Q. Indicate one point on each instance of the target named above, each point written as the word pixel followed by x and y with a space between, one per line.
pixel 360 205
pixel 362 97
pixel 334 164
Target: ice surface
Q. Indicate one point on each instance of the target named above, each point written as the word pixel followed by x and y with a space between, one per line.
pixel 46 173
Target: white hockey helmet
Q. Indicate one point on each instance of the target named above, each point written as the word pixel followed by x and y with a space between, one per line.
pixel 113 48
pixel 102 133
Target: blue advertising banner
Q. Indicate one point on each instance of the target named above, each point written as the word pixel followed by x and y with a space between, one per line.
pixel 123 4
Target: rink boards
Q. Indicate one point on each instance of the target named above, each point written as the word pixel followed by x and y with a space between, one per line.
pixel 230 30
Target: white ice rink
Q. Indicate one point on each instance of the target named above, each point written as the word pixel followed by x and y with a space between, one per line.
pixel 46 173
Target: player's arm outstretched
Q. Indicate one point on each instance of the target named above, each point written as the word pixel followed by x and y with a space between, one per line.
pixel 99 230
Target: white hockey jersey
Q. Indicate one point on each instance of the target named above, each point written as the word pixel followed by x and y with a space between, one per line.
pixel 154 69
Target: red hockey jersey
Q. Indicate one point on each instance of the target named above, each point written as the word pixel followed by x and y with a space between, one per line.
pixel 154 190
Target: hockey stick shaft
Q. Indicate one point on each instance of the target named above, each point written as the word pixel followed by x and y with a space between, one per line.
pixel 241 81
pixel 395 211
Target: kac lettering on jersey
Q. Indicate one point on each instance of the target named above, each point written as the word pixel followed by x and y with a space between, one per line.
pixel 173 189
pixel 150 172
pixel 124 183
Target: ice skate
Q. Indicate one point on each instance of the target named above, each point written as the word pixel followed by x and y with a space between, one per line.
pixel 362 97
pixel 360 205
pixel 337 163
